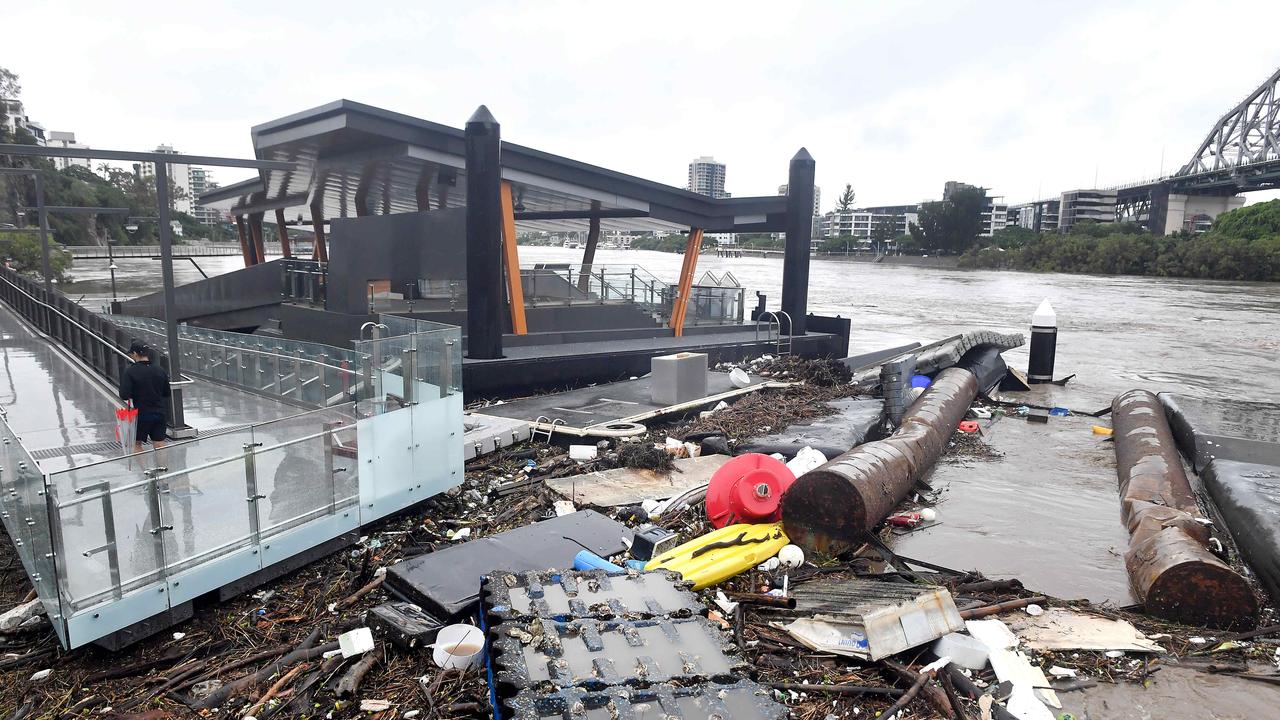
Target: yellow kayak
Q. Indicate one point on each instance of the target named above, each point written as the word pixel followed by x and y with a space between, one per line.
pixel 720 555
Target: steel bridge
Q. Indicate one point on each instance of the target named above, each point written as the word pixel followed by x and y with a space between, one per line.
pixel 1240 154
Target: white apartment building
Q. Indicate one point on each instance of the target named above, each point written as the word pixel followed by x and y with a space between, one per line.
pixel 16 117
pixel 706 177
pixel 58 138
pixel 860 223
pixel 192 180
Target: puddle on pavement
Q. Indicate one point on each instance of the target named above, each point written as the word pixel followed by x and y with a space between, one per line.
pixel 1047 513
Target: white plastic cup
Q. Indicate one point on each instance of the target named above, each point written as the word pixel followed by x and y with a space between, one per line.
pixel 458 646
pixel 739 378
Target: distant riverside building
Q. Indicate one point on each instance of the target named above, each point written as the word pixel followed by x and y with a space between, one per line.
pixel 706 177
pixel 61 139
pixel 817 212
pixel 16 118
pixel 1040 215
pixel 1088 205
pixel 995 214
pixel 192 180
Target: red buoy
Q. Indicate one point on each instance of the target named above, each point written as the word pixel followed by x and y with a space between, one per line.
pixel 748 489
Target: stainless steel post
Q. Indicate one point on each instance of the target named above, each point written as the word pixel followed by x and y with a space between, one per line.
pixel 408 359
pixel 252 496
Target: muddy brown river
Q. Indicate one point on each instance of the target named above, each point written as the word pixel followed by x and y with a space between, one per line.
pixel 1047 512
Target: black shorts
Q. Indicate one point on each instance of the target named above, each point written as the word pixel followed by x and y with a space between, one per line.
pixel 150 427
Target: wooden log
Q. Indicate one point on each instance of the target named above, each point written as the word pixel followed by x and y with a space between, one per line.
pixel 997 608
pixel 931 693
pixel 303 652
pixel 966 687
pixel 271 691
pixel 354 597
pixel 350 682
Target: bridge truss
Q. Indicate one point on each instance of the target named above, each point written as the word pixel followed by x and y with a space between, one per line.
pixel 1247 134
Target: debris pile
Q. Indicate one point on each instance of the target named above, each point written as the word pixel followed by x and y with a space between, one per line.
pixel 683 610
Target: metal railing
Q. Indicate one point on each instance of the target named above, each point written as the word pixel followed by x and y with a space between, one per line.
pixel 304 280
pixel 111 543
pixel 89 336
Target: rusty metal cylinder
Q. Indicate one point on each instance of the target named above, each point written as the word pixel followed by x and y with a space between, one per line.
pixel 1171 569
pixel 829 508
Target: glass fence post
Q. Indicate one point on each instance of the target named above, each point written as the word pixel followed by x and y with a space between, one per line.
pixel 252 496
pixel 446 369
pixel 157 520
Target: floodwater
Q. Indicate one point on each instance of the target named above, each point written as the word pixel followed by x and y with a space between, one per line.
pixel 1048 513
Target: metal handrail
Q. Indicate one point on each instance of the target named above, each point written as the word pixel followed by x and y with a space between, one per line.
pixel 248 349
pixel 111 346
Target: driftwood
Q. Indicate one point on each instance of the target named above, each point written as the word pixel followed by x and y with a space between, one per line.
pixel 229 667
pixel 932 694
pixel 892 712
pixel 837 689
pixel 350 682
pixel 304 651
pixel 136 668
pixel 996 609
pixel 966 687
pixel 354 597
pixel 301 702
pixel 271 691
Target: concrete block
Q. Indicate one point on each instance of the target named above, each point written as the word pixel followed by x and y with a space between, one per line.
pixel 678 378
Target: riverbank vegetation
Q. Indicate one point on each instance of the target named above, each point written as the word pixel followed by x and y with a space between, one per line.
pixel 1243 244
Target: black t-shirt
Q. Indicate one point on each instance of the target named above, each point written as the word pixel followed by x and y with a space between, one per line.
pixel 147 386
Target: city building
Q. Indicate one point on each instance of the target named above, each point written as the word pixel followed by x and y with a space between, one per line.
pixel 706 177
pixel 16 117
pixel 189 181
pixel 817 212
pixel 1040 215
pixel 995 214
pixel 861 223
pixel 61 139
pixel 1089 205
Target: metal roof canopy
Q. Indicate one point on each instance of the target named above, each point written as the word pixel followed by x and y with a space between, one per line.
pixel 349 155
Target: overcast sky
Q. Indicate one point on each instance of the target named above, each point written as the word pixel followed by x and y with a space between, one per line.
pixel 1026 98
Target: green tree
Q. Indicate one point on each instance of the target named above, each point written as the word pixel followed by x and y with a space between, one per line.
pixel 951 225
pixel 884 230
pixel 22 252
pixel 1251 223
pixel 845 202
pixel 1013 237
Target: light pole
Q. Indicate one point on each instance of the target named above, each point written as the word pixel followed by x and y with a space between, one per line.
pixel 111 265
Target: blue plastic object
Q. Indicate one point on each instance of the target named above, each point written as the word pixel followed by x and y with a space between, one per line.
pixel 1059 412
pixel 634 564
pixel 587 560
pixel 921 381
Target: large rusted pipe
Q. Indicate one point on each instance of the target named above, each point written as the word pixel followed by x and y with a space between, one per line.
pixel 1171 569
pixel 829 508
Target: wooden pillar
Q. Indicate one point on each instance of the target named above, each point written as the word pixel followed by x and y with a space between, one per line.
pixel 589 254
pixel 255 235
pixel 687 269
pixel 243 234
pixel 511 254
pixel 285 249
pixel 319 252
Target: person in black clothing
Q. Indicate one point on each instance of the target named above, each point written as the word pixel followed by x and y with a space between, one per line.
pixel 146 387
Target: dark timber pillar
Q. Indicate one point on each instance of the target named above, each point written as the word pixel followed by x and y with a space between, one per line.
pixel 243 234
pixel 795 264
pixel 319 252
pixel 589 254
pixel 484 236
pixel 255 235
pixel 285 249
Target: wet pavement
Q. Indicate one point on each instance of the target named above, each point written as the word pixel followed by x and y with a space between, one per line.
pixel 52 402
pixel 1176 693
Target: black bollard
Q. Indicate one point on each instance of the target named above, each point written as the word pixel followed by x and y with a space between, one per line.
pixel 1044 344
pixel 484 236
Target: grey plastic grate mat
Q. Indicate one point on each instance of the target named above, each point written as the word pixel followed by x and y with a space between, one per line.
pixel 743 700
pixel 575 594
pixel 597 654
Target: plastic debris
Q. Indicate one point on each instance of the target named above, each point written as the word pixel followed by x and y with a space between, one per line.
pixel 739 378
pixel 356 642
pixel 791 556
pixel 805 460
pixel 40 675
pixel 964 651
pixel 564 507
pixel 375 705
pixel 582 452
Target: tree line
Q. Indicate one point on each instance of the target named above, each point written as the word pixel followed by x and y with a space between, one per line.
pixel 1243 244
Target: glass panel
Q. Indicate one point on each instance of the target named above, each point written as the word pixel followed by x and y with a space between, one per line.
pixel 305 468
pixel 105 515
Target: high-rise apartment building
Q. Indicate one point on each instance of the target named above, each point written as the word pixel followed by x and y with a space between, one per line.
pixel 706 177
pixel 189 182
